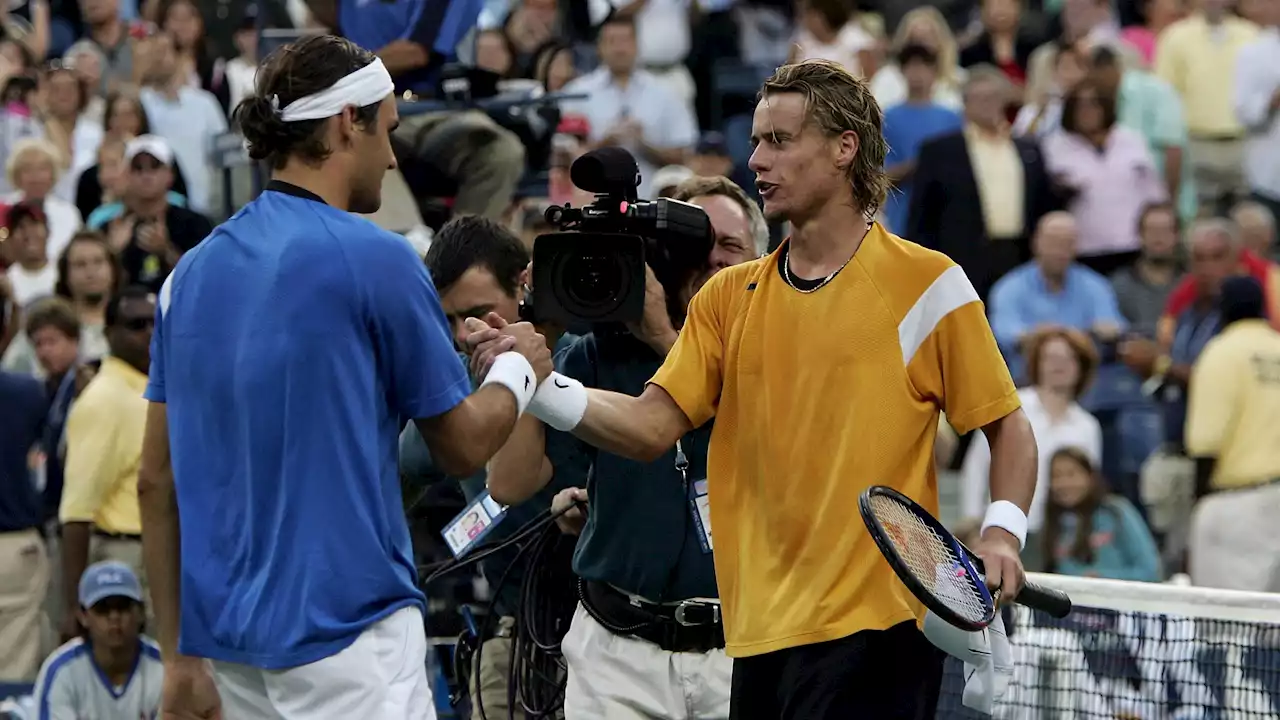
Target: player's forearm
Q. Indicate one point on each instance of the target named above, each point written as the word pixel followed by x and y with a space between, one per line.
pixel 631 427
pixel 1014 459
pixel 520 469
pixel 465 438
pixel 161 548
pixel 75 558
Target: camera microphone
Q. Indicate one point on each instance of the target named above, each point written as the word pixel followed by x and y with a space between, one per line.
pixel 607 171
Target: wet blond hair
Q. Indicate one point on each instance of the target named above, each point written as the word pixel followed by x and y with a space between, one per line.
pixel 837 102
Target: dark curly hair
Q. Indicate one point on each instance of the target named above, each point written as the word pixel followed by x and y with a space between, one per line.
pixel 294 71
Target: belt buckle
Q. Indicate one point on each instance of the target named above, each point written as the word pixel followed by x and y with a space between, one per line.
pixel 683 607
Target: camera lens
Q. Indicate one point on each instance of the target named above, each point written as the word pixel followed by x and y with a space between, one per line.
pixel 593 283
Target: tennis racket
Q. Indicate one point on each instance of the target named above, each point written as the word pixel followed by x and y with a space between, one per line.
pixel 936 567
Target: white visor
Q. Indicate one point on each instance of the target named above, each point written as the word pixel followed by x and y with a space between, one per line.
pixel 365 86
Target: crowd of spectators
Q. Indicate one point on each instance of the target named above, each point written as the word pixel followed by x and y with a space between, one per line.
pixel 1099 170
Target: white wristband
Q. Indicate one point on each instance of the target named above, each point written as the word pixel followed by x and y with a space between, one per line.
pixel 1009 517
pixel 512 371
pixel 560 402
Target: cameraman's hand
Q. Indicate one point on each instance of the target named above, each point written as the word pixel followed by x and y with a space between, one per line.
pixel 492 336
pixel 574 517
pixel 655 327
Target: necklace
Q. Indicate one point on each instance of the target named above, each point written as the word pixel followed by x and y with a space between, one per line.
pixel 791 280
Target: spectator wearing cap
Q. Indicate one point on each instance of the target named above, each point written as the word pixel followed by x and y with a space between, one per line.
pixel 1233 424
pixel 147 229
pixel 187 117
pixel 33 275
pixel 111 671
pixel 1197 56
pixel 711 158
pixel 908 125
pixel 99 510
pixel 34 169
pixel 24 563
pixel 629 107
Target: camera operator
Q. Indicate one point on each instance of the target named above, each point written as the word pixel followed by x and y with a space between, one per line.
pixel 644 559
pixel 480 267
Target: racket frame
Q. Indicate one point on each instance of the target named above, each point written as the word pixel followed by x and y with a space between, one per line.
pixel 900 567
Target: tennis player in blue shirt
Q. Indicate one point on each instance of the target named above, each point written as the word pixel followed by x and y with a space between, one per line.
pixel 288 347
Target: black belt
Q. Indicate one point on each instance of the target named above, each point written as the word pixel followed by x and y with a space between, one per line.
pixel 1217 138
pixel 116 536
pixel 686 626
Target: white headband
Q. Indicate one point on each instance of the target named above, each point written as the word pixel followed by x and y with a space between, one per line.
pixel 365 86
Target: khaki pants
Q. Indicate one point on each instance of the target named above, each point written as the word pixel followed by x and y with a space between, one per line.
pixel 24 581
pixel 1218 169
pixel 491 676
pixel 1234 544
pixel 484 159
pixel 129 552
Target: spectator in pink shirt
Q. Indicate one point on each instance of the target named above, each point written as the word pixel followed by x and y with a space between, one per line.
pixel 1157 14
pixel 1107 175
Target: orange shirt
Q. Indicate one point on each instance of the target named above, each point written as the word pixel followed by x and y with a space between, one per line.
pixel 816 397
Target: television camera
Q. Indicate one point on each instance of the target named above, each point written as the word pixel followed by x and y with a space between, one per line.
pixel 593 271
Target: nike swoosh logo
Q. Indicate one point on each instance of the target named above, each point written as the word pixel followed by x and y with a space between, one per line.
pixel 557 384
pixel 526 382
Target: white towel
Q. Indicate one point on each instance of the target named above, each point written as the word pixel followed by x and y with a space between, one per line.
pixel 987 658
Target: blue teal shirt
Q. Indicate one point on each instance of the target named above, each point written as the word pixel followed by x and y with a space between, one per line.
pixel 104 214
pixel 288 346
pixel 1021 301
pixel 1123 548
pixel 906 127
pixel 640 534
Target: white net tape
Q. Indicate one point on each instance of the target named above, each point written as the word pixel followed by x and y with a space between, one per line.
pixel 1140 651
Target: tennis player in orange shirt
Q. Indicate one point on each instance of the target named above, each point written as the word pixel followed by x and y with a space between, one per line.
pixel 825 365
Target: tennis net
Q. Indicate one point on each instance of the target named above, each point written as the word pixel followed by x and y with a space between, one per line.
pixel 1138 651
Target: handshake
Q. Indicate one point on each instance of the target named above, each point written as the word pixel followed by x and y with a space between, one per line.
pixel 492 337
pixel 561 403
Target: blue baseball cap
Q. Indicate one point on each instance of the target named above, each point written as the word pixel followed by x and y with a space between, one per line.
pixel 108 579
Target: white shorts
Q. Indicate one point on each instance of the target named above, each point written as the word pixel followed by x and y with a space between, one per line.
pixel 614 677
pixel 381 676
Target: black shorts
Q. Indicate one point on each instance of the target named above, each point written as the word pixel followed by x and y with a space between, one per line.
pixel 892 674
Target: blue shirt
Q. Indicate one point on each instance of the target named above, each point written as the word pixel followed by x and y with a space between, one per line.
pixel 1194 329
pixel 437 25
pixel 906 128
pixel 640 534
pixel 25 404
pixel 299 336
pixel 1123 548
pixel 1021 301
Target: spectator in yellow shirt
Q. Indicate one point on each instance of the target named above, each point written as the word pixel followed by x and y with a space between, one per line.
pixel 1233 424
pixel 99 510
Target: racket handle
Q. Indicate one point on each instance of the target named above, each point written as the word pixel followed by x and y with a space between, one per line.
pixel 1047 600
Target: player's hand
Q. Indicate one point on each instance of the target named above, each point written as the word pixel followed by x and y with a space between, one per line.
pixel 655 327
pixel 574 517
pixel 189 692
pixel 1001 555
pixel 492 336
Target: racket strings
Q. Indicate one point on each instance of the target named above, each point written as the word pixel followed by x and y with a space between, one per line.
pixel 931 559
